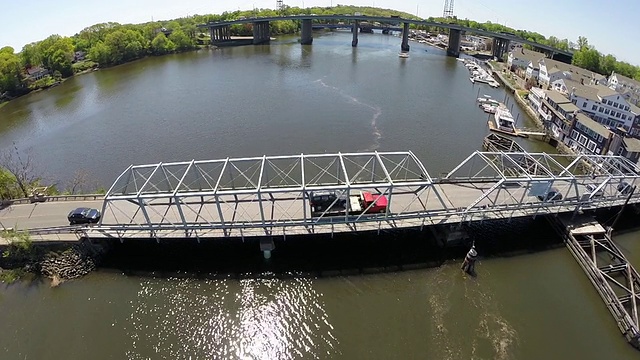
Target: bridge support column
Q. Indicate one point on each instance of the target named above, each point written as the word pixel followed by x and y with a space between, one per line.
pixel 261 33
pixel 500 47
pixel 267 246
pixel 307 32
pixel 355 29
pixel 405 38
pixel 453 48
pixel 219 33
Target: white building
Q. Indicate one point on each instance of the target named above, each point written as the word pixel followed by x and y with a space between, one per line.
pixel 552 70
pixel 629 88
pixel 600 103
pixel 521 58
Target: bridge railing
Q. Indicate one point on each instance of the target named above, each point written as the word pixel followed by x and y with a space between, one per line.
pixel 52 198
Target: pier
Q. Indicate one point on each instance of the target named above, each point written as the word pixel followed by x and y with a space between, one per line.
pixel 614 278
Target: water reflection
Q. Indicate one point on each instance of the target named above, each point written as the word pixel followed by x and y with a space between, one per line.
pixel 245 319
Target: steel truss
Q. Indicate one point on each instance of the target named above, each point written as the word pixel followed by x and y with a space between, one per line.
pixel 269 195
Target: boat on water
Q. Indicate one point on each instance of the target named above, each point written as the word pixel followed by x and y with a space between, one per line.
pixel 489 108
pixel 503 122
pixel 403 55
pixel 485 79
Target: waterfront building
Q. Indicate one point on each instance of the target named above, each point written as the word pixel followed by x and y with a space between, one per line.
pixel 601 103
pixel 628 88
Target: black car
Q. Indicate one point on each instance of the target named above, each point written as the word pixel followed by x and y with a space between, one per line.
pixel 552 195
pixel 84 216
pixel 320 201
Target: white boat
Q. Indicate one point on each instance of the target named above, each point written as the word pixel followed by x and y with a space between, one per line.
pixel 491 109
pixel 503 120
pixel 403 55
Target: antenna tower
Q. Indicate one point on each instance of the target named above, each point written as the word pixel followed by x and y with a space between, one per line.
pixel 448 9
pixel 279 5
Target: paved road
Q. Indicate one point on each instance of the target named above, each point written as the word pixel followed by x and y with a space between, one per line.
pixel 39 215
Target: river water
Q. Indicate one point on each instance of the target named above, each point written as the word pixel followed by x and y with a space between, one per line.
pixel 287 99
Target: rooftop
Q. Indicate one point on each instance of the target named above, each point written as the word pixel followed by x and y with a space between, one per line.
pixel 632 144
pixel 526 54
pixel 557 97
pixel 622 78
pixel 577 72
pixel 593 125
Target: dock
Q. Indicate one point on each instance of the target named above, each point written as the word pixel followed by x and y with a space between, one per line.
pixel 613 277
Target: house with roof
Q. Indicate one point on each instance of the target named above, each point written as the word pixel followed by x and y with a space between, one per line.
pixel 520 57
pixel 551 70
pixel 627 87
pixel 558 114
pixel 602 104
pixel 36 72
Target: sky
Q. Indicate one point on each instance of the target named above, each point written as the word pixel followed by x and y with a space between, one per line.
pixel 611 29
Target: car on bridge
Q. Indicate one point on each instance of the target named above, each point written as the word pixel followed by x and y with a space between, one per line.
pixel 335 203
pixel 552 195
pixel 83 216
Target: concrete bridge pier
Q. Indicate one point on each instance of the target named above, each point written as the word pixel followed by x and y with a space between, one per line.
pixel 354 29
pixel 261 33
pixel 500 47
pixel 219 33
pixel 405 37
pixel 453 48
pixel 307 35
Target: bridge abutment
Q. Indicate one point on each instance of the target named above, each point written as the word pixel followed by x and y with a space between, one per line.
pixel 354 29
pixel 405 37
pixel 453 48
pixel 307 35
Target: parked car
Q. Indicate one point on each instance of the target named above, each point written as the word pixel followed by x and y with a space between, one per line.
pixel 84 216
pixel 552 195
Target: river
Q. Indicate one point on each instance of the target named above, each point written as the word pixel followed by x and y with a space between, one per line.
pixel 288 99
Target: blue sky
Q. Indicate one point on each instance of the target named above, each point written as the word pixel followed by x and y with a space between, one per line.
pixel 611 28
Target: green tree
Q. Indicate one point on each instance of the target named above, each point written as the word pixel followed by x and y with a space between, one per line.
pixel 587 58
pixel 30 55
pixel 181 40
pixel 10 70
pixel 100 53
pixel 582 42
pixel 608 64
pixel 161 45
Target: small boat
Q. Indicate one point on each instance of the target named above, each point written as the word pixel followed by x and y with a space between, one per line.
pixel 503 122
pixel 403 55
pixel 488 108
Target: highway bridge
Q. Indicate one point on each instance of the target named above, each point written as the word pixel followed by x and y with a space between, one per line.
pixel 220 32
pixel 268 196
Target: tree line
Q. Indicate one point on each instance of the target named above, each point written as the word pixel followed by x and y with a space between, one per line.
pixel 111 43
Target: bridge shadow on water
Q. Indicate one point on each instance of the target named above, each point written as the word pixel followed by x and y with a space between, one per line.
pixel 344 254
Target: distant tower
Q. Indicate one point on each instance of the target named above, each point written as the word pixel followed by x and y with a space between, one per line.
pixel 448 9
pixel 279 5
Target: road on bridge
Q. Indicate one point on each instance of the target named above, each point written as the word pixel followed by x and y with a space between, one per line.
pixel 42 215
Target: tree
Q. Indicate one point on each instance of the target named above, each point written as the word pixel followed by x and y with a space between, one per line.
pixel 100 53
pixel 10 70
pixel 161 45
pixel 181 40
pixel 78 182
pixel 30 55
pixel 587 58
pixel 608 64
pixel 21 166
pixel 582 42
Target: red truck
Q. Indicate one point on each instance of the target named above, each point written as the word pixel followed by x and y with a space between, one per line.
pixel 332 203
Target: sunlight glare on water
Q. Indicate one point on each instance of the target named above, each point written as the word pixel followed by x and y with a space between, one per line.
pixel 252 318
